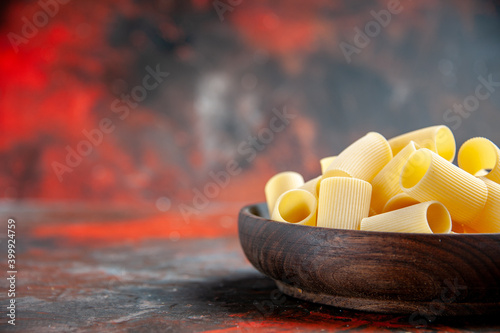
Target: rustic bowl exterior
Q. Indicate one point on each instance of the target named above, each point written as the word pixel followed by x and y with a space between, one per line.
pixel 448 274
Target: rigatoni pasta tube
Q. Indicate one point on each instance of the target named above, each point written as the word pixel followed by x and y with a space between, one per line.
pixel 386 182
pixel 296 206
pixel 439 139
pixel 363 159
pixel 312 186
pixel 400 200
pixel 477 154
pixel 426 217
pixel 427 176
pixel 325 163
pixel 343 202
pixel 489 219
pixel 279 184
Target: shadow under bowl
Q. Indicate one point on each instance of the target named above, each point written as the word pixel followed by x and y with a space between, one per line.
pixel 386 272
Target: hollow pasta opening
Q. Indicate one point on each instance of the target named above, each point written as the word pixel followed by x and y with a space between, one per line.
pixel 296 205
pixel 399 201
pixel 415 168
pixel 477 156
pixel 445 143
pixel 438 218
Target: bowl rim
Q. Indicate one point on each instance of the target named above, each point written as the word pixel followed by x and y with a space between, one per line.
pixel 265 244
pixel 246 210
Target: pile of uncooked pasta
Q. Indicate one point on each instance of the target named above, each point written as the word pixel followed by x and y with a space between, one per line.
pixel 405 184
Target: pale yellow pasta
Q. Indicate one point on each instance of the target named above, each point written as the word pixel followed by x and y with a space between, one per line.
pixel 296 206
pixel 478 154
pixel 400 200
pixel 325 163
pixel 386 182
pixel 312 186
pixel 439 139
pixel 343 202
pixel 427 176
pixel 426 217
pixel 489 219
pixel 363 159
pixel 279 184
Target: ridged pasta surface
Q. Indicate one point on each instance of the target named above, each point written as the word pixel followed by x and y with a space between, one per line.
pixel 489 219
pixel 343 202
pixel 427 176
pixel 439 139
pixel 363 159
pixel 386 182
pixel 426 217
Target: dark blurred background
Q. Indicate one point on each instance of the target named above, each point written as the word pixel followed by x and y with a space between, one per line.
pixel 66 65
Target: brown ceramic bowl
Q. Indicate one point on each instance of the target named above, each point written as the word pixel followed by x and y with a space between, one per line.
pixel 437 274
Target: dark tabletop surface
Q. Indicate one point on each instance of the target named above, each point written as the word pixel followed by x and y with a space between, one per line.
pixel 95 268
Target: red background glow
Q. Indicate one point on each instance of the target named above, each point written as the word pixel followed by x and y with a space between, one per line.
pixel 225 79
